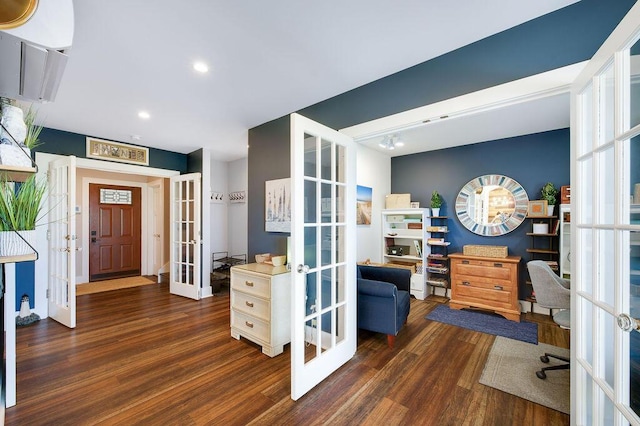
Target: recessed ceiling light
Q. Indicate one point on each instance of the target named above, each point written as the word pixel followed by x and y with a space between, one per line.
pixel 200 67
pixel 144 115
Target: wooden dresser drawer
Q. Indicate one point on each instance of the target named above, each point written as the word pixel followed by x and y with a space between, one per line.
pixel 483 269
pixel 251 305
pixel 251 325
pixel 488 296
pixel 252 284
pixel 485 282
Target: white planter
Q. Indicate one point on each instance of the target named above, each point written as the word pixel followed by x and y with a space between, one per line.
pixel 12 245
pixel 550 210
pixel 13 121
pixel 12 155
pixel 540 228
pixel 435 211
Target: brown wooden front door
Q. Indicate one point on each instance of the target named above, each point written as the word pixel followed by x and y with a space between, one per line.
pixel 114 231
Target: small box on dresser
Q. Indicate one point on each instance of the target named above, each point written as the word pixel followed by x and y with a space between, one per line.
pixel 485 283
pixel 261 305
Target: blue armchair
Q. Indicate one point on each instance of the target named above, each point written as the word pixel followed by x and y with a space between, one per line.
pixel 383 299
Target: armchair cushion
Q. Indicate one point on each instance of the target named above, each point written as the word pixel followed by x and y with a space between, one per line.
pixel 382 306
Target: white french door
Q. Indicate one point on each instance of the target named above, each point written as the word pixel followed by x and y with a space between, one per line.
pixel 62 241
pixel 184 273
pixel 605 180
pixel 323 234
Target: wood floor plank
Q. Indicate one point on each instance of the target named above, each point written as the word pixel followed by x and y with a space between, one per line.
pixel 143 356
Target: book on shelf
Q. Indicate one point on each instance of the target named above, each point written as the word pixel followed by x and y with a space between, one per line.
pixel 435 240
pixel 437 229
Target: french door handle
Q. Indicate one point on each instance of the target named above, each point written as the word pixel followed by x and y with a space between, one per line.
pixel 303 269
pixel 627 323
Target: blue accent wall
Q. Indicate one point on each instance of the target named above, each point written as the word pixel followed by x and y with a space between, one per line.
pixel 564 37
pixel 67 143
pixel 532 160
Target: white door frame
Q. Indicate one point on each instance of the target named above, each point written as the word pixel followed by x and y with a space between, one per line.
pixel 43 160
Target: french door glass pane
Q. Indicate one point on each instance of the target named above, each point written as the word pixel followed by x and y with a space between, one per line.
pixel 325 170
pixel 310 247
pixel 606 187
pixel 341 175
pixel 585 143
pixel 325 295
pixel 310 162
pixel 585 209
pixel 634 107
pixel 325 208
pixel 634 179
pixel 310 210
pixel 585 339
pixel 634 311
pixel 607 102
pixel 606 267
pixel 341 283
pixel 607 347
pixel 340 203
pixel 326 242
pixel 585 240
pixel 341 255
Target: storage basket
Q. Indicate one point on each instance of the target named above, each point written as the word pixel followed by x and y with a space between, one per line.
pixel 485 251
pixel 419 268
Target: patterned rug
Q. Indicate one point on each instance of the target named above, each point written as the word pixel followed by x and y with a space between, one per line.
pixel 486 322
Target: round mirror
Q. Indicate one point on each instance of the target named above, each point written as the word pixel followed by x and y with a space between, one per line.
pixel 492 205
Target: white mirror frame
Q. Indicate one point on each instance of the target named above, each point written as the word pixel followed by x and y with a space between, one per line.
pixel 492 230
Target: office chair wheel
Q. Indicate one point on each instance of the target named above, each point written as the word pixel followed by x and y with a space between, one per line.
pixel 544 359
pixel 541 374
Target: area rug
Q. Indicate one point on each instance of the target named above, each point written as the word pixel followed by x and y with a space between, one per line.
pixel 486 323
pixel 116 284
pixel 511 367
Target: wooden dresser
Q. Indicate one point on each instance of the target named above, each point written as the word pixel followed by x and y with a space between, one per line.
pixel 486 283
pixel 261 305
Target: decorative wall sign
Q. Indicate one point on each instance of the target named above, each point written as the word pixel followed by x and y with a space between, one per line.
pixel 277 205
pixel 116 151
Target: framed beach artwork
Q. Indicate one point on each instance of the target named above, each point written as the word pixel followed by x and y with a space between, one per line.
pixel 277 205
pixel 363 199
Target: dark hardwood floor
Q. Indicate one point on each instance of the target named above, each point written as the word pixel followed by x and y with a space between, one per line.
pixel 142 356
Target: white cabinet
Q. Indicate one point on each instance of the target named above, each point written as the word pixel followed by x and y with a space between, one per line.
pixel 261 305
pixel 404 235
pixel 565 241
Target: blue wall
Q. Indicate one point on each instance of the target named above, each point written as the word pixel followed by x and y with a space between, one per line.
pixel 567 36
pixel 532 160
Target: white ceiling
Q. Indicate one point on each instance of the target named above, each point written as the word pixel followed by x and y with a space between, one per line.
pixel 266 58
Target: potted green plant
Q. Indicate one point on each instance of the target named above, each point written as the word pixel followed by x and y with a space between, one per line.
pixel 436 203
pixel 549 192
pixel 19 134
pixel 20 206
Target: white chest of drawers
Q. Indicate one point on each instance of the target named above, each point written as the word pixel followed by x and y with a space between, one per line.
pixel 261 306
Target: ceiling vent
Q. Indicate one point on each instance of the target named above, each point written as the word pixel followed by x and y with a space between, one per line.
pixel 32 56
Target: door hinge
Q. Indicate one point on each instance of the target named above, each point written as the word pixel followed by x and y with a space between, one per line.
pixel 48 235
pixel 47 293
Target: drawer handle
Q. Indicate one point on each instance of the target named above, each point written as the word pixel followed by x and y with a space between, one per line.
pixel 465 262
pixel 497 265
pixel 498 287
pixel 466 283
pixel 248 324
pixel 248 283
pixel 249 304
